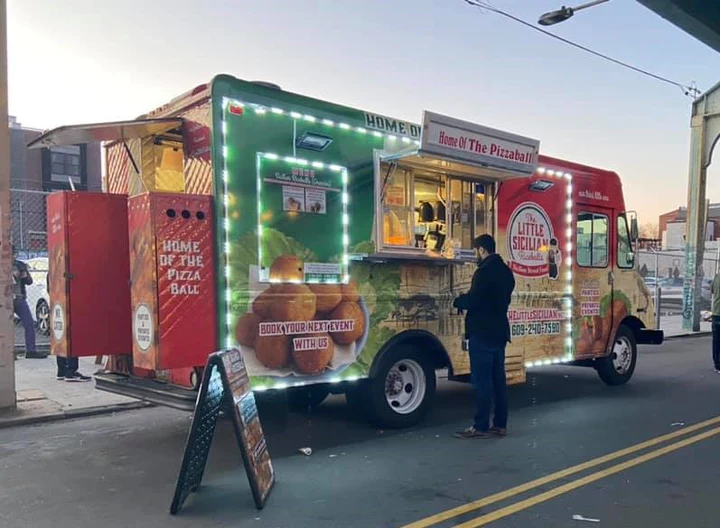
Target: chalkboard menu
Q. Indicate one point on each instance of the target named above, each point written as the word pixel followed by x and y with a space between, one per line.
pixel 225 386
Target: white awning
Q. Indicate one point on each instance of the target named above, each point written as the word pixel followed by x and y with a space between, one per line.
pixel 112 131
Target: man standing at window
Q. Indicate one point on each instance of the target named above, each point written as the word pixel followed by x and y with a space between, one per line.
pixel 488 330
pixel 715 290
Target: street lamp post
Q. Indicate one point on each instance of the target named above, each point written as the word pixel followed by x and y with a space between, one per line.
pixel 7 339
pixel 562 14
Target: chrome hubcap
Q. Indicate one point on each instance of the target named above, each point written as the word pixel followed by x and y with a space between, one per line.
pixel 622 355
pixel 43 318
pixel 405 386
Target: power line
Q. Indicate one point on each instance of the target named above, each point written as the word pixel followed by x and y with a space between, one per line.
pixel 691 90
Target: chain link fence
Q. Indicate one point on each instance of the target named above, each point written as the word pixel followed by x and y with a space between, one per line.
pixel 665 271
pixel 28 213
pixel 28 223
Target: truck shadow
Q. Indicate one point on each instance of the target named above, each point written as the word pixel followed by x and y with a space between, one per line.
pixel 334 424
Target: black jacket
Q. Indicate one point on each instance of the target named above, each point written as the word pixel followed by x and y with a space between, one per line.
pixel 21 279
pixel 488 301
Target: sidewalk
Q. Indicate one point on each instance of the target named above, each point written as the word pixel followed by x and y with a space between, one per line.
pixel 42 342
pixel 41 398
pixel 672 326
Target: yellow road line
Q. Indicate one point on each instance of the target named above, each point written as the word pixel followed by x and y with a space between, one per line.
pixel 570 486
pixel 522 488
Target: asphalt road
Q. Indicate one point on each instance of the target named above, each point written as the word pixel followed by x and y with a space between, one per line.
pixel 119 471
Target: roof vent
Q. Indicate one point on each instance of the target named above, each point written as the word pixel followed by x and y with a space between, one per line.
pixel 267 85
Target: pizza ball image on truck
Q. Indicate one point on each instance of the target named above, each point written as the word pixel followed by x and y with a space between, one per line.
pixel 296 329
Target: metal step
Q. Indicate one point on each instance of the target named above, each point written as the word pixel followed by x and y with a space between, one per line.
pixel 147 390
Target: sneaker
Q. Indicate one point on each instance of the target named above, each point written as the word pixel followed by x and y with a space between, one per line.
pixel 76 376
pixel 471 432
pixel 60 376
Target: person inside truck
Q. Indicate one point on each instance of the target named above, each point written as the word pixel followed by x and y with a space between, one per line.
pixel 487 330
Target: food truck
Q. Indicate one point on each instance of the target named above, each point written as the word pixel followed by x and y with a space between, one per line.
pixel 328 244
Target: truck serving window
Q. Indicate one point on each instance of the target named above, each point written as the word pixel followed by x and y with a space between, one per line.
pixel 413 207
pixel 425 209
pixel 592 240
pixel 625 256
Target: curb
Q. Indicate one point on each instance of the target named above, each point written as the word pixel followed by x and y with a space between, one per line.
pixel 685 336
pixel 73 414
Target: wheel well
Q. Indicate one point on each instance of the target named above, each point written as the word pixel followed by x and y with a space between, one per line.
pixel 420 339
pixel 634 324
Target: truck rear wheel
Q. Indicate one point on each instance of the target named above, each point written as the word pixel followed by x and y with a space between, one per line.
pixel 400 393
pixel 619 366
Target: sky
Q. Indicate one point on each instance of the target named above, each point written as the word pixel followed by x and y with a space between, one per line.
pixel 81 61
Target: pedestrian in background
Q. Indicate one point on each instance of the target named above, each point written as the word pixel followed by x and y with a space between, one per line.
pixel 21 280
pixel 487 330
pixel 715 290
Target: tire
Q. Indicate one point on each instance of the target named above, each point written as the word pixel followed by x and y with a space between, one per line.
pixel 619 366
pixel 301 399
pixel 42 317
pixel 402 390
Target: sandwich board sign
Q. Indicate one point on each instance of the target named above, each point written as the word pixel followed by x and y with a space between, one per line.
pixel 225 387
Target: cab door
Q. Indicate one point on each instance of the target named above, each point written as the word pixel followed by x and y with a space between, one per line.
pixel 625 283
pixel 594 279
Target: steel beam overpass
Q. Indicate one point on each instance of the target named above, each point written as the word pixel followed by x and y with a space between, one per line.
pixel 701 19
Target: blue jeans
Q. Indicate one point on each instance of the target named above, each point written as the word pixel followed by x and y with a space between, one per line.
pixel 66 366
pixel 487 372
pixel 23 312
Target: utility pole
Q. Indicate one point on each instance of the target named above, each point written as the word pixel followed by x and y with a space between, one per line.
pixel 7 329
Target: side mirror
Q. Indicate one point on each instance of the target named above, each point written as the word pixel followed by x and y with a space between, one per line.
pixel 631 259
pixel 634 231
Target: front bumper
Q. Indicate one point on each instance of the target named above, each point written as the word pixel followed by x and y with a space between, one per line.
pixel 650 337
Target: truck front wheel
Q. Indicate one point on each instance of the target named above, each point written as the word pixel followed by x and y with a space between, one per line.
pixel 400 393
pixel 619 366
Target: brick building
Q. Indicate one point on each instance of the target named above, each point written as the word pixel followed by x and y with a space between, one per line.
pixel 672 226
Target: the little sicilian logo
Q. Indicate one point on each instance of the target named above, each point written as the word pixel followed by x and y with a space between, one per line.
pixel 531 242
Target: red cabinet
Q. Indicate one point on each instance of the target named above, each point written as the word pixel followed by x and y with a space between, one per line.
pixel 172 273
pixel 88 274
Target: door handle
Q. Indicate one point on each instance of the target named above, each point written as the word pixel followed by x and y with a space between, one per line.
pixel 611 278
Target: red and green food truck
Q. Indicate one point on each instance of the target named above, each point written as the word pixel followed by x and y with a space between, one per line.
pixel 327 244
